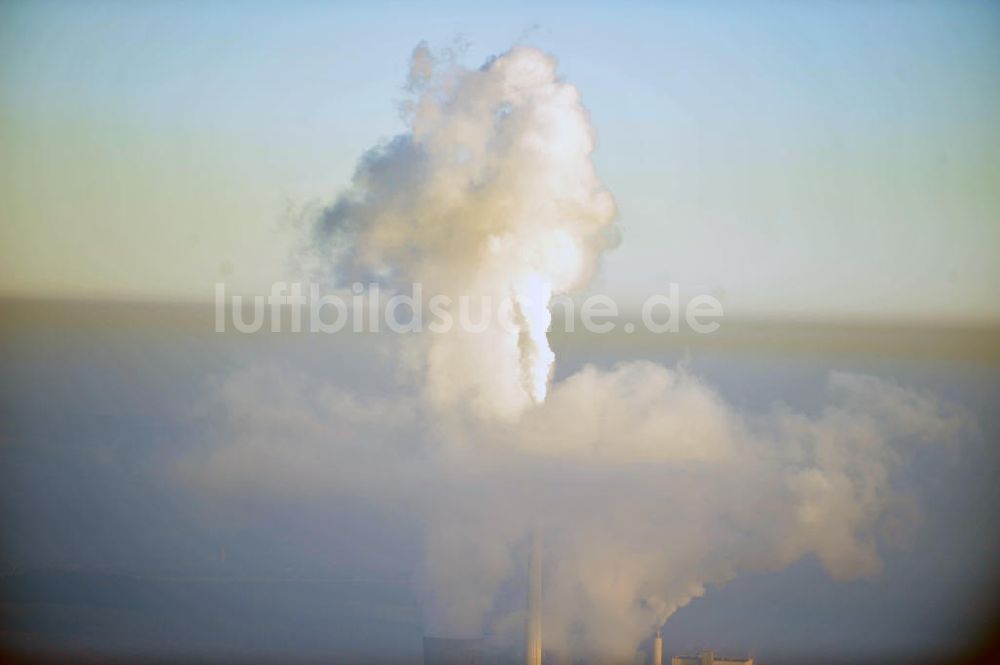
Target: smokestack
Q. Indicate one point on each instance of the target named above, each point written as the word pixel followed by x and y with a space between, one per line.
pixel 658 649
pixel 533 627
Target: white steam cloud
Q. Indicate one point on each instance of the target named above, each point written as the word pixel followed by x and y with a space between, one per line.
pixel 647 484
pixel 491 195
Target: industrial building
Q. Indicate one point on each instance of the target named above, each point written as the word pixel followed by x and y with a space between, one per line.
pixel 453 651
pixel 708 657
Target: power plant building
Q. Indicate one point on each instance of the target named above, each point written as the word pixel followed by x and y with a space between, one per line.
pixel 453 651
pixel 708 657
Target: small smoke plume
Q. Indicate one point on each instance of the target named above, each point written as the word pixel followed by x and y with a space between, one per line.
pixel 647 484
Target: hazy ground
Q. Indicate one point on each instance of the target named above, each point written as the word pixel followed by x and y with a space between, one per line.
pixel 107 552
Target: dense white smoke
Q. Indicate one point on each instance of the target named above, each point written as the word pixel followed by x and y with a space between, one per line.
pixel 647 484
pixel 491 195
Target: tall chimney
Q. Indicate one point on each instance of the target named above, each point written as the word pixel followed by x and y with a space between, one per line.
pixel 533 627
pixel 658 649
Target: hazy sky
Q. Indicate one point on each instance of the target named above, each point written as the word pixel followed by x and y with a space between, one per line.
pixel 822 160
pixel 837 159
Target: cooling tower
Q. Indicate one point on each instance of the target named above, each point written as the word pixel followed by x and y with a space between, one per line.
pixel 658 649
pixel 453 651
pixel 533 625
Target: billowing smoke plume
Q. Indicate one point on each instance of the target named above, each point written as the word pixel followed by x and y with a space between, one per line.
pixel 648 486
pixel 491 196
pixel 646 483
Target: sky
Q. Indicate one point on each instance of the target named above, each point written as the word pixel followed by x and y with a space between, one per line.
pixel 835 160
